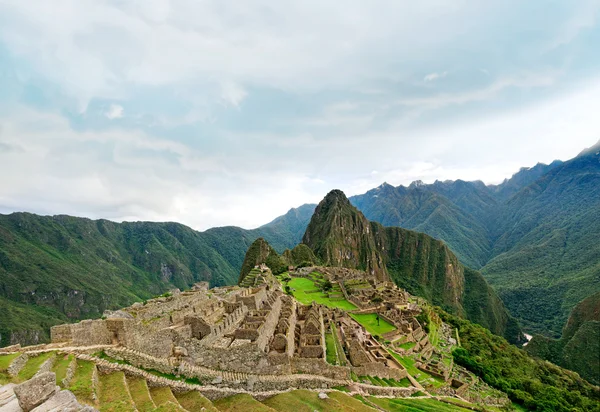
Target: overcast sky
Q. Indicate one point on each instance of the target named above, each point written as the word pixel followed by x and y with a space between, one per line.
pixel 221 112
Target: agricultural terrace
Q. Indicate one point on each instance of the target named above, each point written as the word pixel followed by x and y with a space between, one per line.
pixel 369 322
pixel 307 291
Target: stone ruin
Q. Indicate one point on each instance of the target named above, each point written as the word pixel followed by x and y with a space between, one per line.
pixel 39 394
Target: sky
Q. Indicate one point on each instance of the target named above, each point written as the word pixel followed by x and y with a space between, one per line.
pixel 214 113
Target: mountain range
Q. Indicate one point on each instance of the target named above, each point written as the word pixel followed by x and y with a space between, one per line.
pixel 533 237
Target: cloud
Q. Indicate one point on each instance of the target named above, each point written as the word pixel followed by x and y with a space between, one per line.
pixel 280 101
pixel 232 94
pixel 114 112
pixel 434 76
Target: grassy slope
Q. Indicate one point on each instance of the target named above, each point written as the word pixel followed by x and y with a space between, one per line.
pixel 138 388
pixel 303 286
pixel 60 367
pixel 240 403
pixel 55 269
pixel 113 396
pixel 340 235
pixel 81 384
pixel 533 236
pixel 579 346
pixel 535 384
pixel 369 321
pixel 416 405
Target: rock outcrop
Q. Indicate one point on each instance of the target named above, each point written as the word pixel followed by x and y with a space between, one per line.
pixel 340 235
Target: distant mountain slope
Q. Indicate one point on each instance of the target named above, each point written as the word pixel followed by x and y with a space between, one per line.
pixel 451 211
pixel 59 268
pixel 531 236
pixel 340 235
pixel 548 256
pixel 579 347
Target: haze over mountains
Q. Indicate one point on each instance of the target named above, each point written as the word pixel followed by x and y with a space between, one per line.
pixel 531 236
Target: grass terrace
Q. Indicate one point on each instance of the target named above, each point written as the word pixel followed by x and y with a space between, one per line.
pixel 5 361
pixel 369 322
pixel 307 291
pixel 415 405
pixel 33 365
pixel 424 378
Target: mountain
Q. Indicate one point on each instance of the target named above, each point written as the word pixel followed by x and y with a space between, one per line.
pixel 546 255
pixel 340 235
pixel 532 236
pixel 55 269
pixel 579 347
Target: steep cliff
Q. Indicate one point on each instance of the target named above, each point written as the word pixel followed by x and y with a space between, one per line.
pixel 341 236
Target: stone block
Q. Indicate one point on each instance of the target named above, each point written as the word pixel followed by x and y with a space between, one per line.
pixel 36 391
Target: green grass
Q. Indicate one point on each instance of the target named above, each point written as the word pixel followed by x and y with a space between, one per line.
pixel 302 285
pixel 240 403
pixel 331 357
pixel 434 334
pixel 138 388
pixel 407 345
pixel 113 394
pixel 81 384
pixel 369 322
pixel 194 401
pixel 337 343
pixel 60 367
pixel 308 401
pixel 424 377
pixel 162 395
pixel 169 407
pixel 5 361
pixel 33 365
pixel 415 405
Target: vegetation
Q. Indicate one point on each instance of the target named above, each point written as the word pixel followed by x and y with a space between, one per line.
pixel 308 401
pixel 239 403
pixel 56 269
pixel 138 388
pixel 113 394
pixel 534 384
pixel 81 384
pixel 5 361
pixel 415 261
pixel 194 401
pixel 373 323
pixel 60 367
pixel 161 395
pixel 306 292
pixel 33 365
pixel 579 347
pixel 415 405
pixel 533 236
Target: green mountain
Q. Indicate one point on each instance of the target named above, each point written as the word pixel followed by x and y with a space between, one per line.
pixel 579 347
pixel 340 235
pixel 532 237
pixel 55 269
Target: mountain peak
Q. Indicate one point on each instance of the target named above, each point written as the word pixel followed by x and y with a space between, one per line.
pixel 336 195
pixel 593 150
pixel 416 183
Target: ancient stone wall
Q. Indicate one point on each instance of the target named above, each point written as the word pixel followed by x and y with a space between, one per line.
pixel 91 332
pixel 320 367
pixel 61 333
pixel 379 370
pixel 228 324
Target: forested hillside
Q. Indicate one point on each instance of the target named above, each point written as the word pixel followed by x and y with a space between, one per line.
pixel 340 235
pixel 55 269
pixel 532 237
